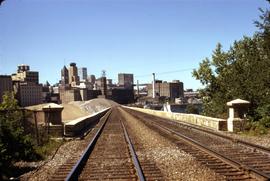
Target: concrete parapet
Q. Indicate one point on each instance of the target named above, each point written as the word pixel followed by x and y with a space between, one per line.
pixel 56 130
pixel 209 122
pixel 77 126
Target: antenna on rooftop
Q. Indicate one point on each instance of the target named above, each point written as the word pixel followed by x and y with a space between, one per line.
pixel 103 73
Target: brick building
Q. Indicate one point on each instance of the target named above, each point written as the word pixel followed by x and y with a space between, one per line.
pixel 28 93
pixel 27 89
pixel 102 85
pixel 125 80
pixel 5 85
pixel 25 75
pixel 69 94
pixel 170 90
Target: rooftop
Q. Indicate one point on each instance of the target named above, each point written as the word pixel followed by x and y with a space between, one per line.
pixel 39 107
pixel 237 101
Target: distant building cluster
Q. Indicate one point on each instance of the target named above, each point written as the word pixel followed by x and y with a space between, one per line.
pixel 26 87
pixel 76 85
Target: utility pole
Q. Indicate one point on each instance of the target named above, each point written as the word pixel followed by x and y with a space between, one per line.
pixel 153 84
pixel 138 91
pixel 103 73
pixel 47 121
pixel 36 127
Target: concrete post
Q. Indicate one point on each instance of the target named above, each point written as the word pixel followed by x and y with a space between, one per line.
pixel 237 110
pixel 36 127
pixel 230 119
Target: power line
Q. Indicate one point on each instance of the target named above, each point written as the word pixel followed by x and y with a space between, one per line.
pixel 174 71
pixel 145 75
pixel 167 72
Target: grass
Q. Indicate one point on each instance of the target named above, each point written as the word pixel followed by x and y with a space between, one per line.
pixel 49 148
pixel 255 129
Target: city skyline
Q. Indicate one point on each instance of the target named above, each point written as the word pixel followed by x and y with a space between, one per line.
pixel 168 38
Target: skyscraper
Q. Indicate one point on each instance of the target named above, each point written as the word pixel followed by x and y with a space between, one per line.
pixel 64 76
pixel 73 75
pixel 82 73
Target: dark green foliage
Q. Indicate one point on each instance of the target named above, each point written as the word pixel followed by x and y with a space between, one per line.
pixel 192 109
pixel 241 72
pixel 264 28
pixel 14 144
pixel 214 75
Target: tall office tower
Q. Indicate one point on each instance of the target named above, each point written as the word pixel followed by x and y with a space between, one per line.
pixel 125 80
pixel 64 76
pixel 73 75
pixel 82 73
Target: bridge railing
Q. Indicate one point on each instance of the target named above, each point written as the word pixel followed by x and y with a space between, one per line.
pixel 209 122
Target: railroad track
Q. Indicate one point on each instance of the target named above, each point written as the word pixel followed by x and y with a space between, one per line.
pixel 62 172
pixel 109 156
pixel 232 158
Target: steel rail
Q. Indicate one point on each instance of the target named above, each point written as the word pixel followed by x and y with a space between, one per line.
pixel 240 166
pixel 134 155
pixel 235 140
pixel 77 168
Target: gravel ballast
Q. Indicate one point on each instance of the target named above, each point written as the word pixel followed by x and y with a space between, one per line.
pixel 174 163
pixel 49 166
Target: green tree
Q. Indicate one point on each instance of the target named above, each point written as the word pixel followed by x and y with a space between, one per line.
pixel 192 109
pixel 264 28
pixel 241 72
pixel 264 32
pixel 14 144
pixel 213 74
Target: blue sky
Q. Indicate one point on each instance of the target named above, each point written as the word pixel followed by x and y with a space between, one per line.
pixel 132 36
